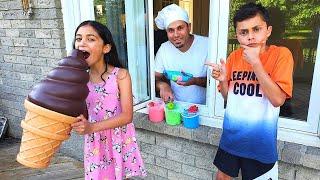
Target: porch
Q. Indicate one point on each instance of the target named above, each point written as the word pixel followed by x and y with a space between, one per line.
pixel 61 167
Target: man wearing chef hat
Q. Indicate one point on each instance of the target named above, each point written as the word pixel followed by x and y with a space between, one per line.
pixel 183 52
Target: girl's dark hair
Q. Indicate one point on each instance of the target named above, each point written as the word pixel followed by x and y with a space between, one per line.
pixel 112 56
pixel 250 10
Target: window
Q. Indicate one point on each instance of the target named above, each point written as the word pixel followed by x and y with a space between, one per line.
pixel 131 22
pixel 198 12
pixel 126 20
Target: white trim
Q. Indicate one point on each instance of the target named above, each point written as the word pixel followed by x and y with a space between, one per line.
pixel 212 57
pixel 86 10
pixel 149 8
pixel 137 49
pixel 218 23
pixel 284 134
pixel 143 110
pixel 74 12
pixel 70 21
pixel 305 126
pixel 141 106
pixel 314 110
pixel 222 51
pixel 216 122
pixel 299 137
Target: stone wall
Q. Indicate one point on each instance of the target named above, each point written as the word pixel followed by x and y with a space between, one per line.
pixel 29 48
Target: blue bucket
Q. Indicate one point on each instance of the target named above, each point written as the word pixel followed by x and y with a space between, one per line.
pixel 190 120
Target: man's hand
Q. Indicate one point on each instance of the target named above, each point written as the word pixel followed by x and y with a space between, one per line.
pixel 191 81
pixel 198 81
pixel 163 87
pixel 82 126
pixel 166 92
pixel 219 71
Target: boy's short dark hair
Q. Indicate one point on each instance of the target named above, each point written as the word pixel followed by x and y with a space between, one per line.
pixel 250 10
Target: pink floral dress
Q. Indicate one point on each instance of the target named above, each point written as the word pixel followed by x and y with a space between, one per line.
pixel 111 154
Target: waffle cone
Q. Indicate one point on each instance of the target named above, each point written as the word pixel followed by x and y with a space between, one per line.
pixel 43 132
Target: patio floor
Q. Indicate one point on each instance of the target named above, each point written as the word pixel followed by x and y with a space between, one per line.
pixel 61 167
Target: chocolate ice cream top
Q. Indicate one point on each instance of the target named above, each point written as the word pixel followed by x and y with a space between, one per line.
pixel 64 90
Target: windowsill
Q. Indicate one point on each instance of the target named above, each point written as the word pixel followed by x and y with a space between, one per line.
pixel 293 147
pixel 203 134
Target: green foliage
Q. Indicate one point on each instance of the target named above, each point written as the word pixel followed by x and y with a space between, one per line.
pixel 299 14
pixel 100 18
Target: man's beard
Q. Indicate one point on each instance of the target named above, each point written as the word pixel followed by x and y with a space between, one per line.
pixel 178 46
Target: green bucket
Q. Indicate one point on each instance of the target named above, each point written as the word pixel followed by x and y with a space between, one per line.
pixel 173 116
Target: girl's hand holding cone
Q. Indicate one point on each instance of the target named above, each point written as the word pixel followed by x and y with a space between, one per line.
pixel 82 126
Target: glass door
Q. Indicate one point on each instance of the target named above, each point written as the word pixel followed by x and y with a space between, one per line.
pixel 127 21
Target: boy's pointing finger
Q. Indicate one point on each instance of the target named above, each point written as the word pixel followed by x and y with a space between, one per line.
pixel 209 64
pixel 213 65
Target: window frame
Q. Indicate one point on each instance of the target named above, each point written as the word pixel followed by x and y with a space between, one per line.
pixel 142 106
pixel 303 132
pixel 289 129
pixel 312 125
pixel 74 12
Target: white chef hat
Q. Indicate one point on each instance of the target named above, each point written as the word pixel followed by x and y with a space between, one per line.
pixel 170 14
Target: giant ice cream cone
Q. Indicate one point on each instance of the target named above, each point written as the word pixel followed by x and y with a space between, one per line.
pixel 43 132
pixel 51 107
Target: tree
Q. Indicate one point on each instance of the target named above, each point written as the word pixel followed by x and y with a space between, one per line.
pixel 298 13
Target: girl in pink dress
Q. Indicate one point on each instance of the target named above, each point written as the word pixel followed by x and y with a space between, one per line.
pixel 110 148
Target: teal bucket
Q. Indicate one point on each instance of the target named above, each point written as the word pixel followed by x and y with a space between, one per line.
pixel 190 120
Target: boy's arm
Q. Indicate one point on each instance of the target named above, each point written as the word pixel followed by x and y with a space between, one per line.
pixel 271 89
pixel 224 89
